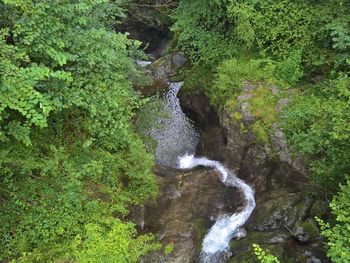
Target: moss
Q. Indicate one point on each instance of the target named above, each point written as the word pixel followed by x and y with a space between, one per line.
pixel 169 248
pixel 237 116
pixel 246 257
pixel 200 228
pixel 242 129
pixel 310 227
pixel 319 209
pixel 179 76
pixel 253 237
pixel 231 103
pixel 263 105
pixel 261 134
pixel 263 108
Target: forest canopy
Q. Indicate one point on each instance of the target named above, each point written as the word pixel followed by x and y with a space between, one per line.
pixel 70 159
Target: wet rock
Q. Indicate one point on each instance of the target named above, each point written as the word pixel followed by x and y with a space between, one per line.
pixel 187 206
pixel 274 210
pixel 265 165
pixel 168 66
pixel 311 252
pixel 282 103
pixel 247 254
pixel 320 208
pixel 149 26
pixel 305 231
pixel 259 237
pixel 240 233
pixel 197 106
pixel 165 69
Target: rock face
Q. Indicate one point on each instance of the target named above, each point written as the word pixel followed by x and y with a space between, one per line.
pixel 283 218
pixel 148 25
pixel 188 204
pixel 162 70
pixel 263 164
pixel 167 67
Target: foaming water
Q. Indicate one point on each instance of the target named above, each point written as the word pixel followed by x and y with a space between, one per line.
pixel 143 63
pixel 216 242
pixel 175 134
pixel 176 144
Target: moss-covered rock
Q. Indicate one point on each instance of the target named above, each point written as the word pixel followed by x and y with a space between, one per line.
pixel 259 237
pixel 320 208
pixel 247 255
pixel 169 66
pixel 305 231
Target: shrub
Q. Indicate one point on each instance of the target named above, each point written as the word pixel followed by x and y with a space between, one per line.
pixel 338 233
pixel 263 256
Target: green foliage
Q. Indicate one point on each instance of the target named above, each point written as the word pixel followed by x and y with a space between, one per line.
pixel 198 77
pixel 263 256
pixel 169 248
pixel 56 44
pixel 317 125
pixel 231 75
pixel 338 234
pixel 340 35
pixel 289 69
pixel 201 31
pixel 112 242
pixel 211 31
pixel 283 26
pixel 263 105
pixel 70 161
pixel 48 199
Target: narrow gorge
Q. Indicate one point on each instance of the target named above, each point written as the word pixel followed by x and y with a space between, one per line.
pixel 211 161
pixel 207 223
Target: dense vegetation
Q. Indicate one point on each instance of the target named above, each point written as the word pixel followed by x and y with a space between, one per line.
pixel 300 46
pixel 70 161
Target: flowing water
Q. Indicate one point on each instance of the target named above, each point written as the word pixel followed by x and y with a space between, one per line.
pixel 217 240
pixel 175 133
pixel 176 139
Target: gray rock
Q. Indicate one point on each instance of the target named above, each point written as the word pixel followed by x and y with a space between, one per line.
pixel 168 66
pixel 319 209
pixel 284 102
pixel 247 116
pixel 305 231
pixel 275 90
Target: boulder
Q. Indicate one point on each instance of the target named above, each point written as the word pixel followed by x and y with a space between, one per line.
pixel 305 231
pixel 168 67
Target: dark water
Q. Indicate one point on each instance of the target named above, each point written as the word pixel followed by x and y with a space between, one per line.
pixel 175 134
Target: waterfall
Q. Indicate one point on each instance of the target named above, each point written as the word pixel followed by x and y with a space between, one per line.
pixel 219 236
pixel 176 144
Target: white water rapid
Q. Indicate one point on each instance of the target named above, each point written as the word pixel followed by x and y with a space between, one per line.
pixel 219 236
pixel 176 144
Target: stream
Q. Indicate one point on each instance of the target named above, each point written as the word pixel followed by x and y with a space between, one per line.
pixel 177 139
